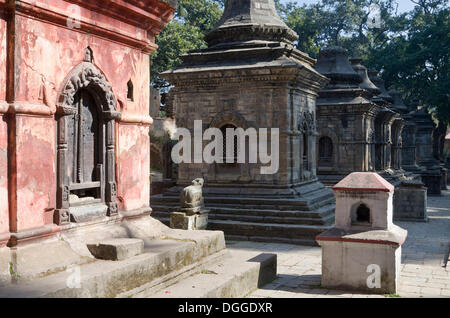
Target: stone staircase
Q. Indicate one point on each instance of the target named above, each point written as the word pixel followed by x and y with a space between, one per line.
pixel 294 216
pixel 167 263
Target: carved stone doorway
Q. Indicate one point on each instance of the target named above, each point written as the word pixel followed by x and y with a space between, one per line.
pixel 86 185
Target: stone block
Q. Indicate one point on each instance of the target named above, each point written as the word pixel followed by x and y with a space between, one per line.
pixel 182 221
pixel 433 182
pixel 117 249
pixel 87 213
pixel 371 268
pixel 410 203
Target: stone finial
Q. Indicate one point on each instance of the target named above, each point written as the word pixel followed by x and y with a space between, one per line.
pixel 398 101
pixel 366 82
pixel 247 20
pixel 379 82
pixel 333 62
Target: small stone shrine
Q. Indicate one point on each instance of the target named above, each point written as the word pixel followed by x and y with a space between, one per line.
pixel 363 250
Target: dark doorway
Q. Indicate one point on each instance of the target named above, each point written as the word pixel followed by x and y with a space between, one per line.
pixel 363 214
pixel 87 147
pixel 325 152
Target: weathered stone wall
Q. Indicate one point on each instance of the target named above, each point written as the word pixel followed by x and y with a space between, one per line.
pixel 247 104
pixel 351 131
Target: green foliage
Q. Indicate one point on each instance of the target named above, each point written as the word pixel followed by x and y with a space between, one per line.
pixel 193 20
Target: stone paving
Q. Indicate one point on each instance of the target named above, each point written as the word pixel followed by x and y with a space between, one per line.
pixel 422 274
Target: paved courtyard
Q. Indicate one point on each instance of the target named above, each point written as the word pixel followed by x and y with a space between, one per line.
pixel 422 274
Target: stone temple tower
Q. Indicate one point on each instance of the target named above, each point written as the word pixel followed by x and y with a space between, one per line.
pixel 252 76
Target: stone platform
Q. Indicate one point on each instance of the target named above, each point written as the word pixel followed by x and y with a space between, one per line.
pixel 167 257
pixel 285 215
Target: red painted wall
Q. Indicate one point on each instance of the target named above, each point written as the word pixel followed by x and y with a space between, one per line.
pixel 46 50
pixel 4 218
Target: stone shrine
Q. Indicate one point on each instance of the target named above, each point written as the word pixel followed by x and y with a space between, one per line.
pixel 432 176
pixel 363 250
pixel 345 119
pixel 251 76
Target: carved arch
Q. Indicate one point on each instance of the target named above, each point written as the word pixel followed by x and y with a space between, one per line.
pixel 86 77
pixel 327 132
pixel 232 118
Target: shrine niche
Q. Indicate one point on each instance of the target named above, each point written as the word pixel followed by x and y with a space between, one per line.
pixel 230 169
pixel 326 152
pixel 85 154
pixel 307 128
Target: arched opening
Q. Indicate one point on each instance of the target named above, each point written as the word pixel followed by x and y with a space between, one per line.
pixel 325 152
pixel 363 214
pixel 130 91
pixel 86 182
pixel 86 151
pixel 227 135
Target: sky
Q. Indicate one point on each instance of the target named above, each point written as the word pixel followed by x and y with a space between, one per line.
pixel 404 5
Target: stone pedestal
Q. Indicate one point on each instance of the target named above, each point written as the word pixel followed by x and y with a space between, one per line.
pixel 183 221
pixel 363 251
pixel 351 265
pixel 433 182
pixel 410 202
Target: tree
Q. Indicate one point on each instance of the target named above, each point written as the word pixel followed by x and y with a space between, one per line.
pixel 186 32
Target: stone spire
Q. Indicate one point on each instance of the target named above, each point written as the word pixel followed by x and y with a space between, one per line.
pixel 379 82
pixel 362 71
pixel 250 20
pixel 398 101
pixel 333 63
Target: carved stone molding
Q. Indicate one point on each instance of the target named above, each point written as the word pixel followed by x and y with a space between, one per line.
pixel 86 75
pixel 307 123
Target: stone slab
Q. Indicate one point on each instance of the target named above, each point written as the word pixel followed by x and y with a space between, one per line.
pixel 233 277
pixel 86 213
pixel 117 249
pixel 106 279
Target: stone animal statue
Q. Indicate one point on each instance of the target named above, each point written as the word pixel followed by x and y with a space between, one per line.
pixel 191 197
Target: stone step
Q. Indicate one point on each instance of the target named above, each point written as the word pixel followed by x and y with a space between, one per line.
pixel 271 219
pixel 233 277
pixel 325 215
pixel 322 197
pixel 268 231
pixel 279 240
pixel 300 234
pixel 160 259
pixel 257 211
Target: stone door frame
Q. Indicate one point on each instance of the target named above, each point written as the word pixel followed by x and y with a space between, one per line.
pixel 88 77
